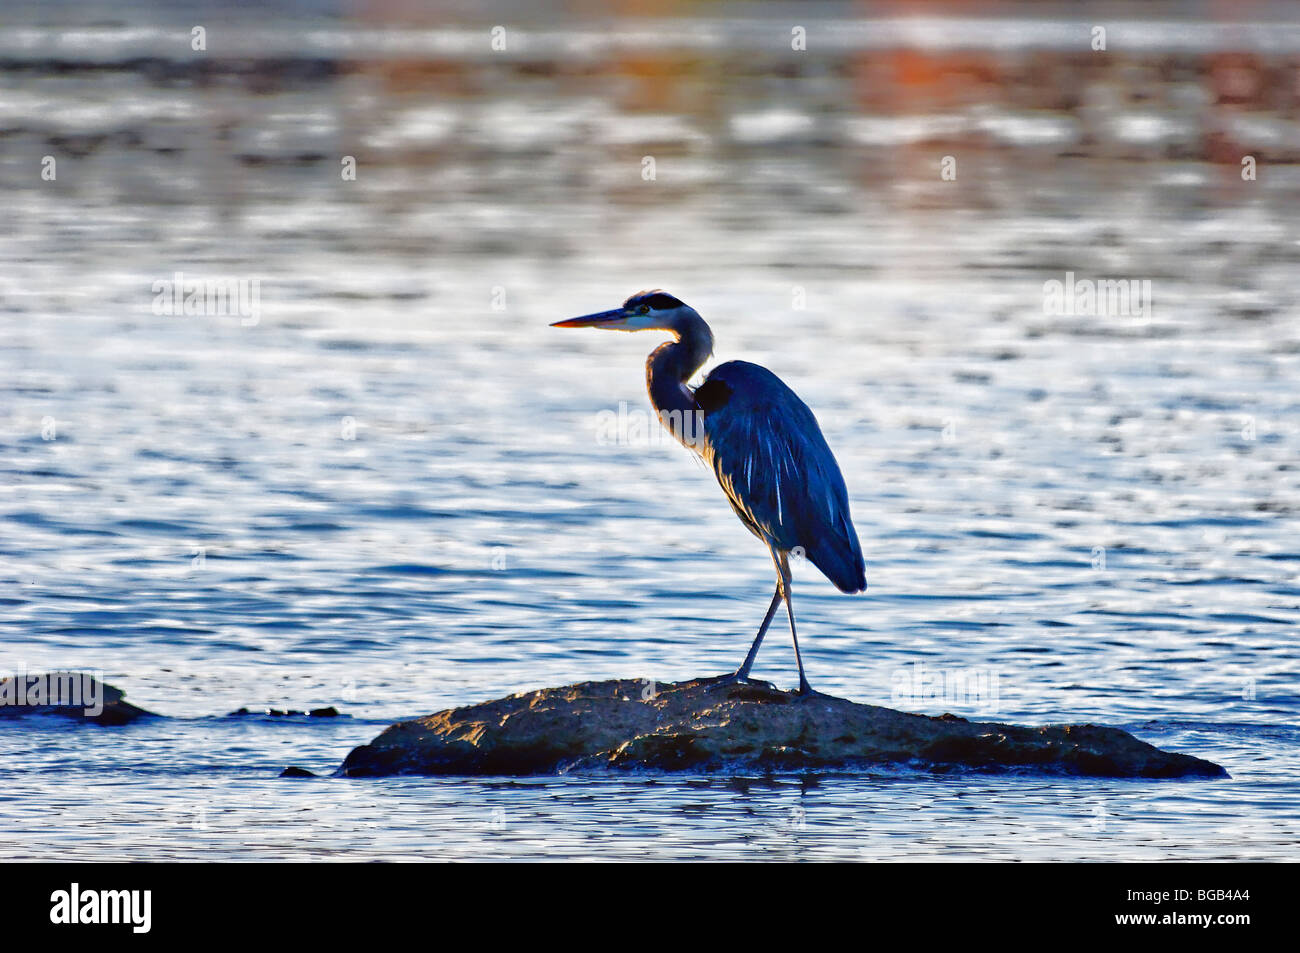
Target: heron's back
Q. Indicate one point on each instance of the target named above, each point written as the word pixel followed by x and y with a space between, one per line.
pixel 770 457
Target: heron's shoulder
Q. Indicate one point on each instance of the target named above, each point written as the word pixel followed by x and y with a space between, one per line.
pixel 740 382
pixel 747 378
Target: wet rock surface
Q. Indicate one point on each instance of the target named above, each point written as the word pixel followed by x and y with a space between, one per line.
pixel 706 725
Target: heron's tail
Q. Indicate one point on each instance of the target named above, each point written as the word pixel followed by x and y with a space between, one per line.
pixel 841 561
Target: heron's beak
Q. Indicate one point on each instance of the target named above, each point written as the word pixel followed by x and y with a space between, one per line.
pixel 612 320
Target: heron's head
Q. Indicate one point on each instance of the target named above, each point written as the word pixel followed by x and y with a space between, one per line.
pixel 644 311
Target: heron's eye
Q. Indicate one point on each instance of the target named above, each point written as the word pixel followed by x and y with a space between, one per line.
pixel 644 309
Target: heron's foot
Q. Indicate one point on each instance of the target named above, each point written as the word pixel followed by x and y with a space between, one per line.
pixel 735 678
pixel 807 691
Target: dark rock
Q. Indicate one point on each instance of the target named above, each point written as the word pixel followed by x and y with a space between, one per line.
pixel 330 712
pixel 709 725
pixel 68 694
pixel 293 771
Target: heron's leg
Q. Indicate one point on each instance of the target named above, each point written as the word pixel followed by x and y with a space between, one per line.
pixel 784 568
pixel 742 673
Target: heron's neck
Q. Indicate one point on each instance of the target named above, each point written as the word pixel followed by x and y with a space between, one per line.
pixel 671 365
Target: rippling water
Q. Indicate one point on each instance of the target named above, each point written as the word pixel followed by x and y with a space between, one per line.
pixel 393 489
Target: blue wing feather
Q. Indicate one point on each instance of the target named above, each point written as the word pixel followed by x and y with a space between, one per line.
pixel 768 453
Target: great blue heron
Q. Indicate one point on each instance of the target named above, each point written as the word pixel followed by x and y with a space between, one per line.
pixel 762 443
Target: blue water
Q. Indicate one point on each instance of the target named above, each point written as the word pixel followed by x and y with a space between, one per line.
pixel 393 492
